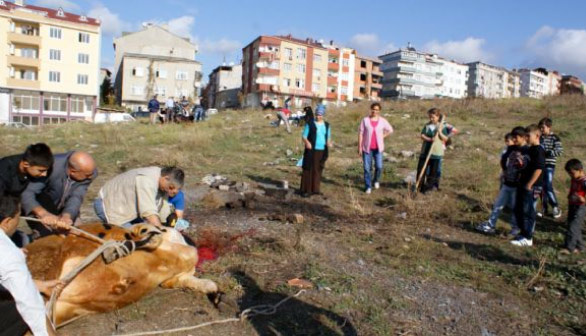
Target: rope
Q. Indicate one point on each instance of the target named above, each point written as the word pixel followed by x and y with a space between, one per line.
pixel 246 314
pixel 74 229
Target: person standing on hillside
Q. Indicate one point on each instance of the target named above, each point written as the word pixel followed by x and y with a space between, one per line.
pixel 553 149
pixel 434 134
pixel 371 134
pixel 574 243
pixel 169 107
pixel 317 138
pixel 153 108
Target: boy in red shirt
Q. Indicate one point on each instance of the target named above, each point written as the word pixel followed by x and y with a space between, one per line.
pixel 577 207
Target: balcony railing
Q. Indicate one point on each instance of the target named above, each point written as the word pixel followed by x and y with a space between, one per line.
pixel 23 83
pixel 24 39
pixel 24 61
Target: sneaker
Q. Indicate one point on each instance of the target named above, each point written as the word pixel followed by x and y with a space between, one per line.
pixel 485 227
pixel 522 242
pixel 376 185
pixel 557 213
pixel 368 191
pixel 539 214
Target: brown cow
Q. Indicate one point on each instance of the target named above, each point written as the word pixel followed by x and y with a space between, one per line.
pixel 167 262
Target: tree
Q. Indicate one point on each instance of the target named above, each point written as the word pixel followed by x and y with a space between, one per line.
pixel 106 90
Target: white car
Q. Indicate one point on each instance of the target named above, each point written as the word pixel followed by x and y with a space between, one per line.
pixel 112 117
pixel 211 111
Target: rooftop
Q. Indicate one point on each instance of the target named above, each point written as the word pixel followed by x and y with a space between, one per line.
pixel 56 14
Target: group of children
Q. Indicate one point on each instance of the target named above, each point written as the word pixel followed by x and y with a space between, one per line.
pixel 528 166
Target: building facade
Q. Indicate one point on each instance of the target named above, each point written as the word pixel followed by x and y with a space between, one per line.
pixel 275 68
pixel 408 73
pixel 367 78
pixel 489 81
pixel 52 64
pixel 341 73
pixel 224 87
pixel 571 85
pixel 534 84
pixel 155 61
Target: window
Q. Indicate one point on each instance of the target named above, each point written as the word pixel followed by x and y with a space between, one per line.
pixel 54 76
pixel 55 54
pixel 84 38
pixel 28 52
pixel 286 82
pixel 315 87
pixel 287 67
pixel 300 83
pixel 138 72
pixel 344 76
pixel 79 104
pixel 28 75
pixel 22 101
pixel 55 33
pixel 161 91
pixel 181 75
pixel 301 68
pixel 345 62
pixel 60 12
pixel 344 90
pixel 288 53
pixel 363 64
pixel 301 53
pixel 137 90
pixel 316 58
pixel 82 79
pixel 317 74
pixel 55 103
pixel 83 58
pixel 161 73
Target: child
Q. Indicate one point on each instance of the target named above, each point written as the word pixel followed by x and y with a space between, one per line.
pixel 576 207
pixel 17 170
pixel 514 142
pixel 529 188
pixel 553 149
pixel 432 141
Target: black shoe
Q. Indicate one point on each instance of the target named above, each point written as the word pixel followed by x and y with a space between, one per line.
pixel 305 195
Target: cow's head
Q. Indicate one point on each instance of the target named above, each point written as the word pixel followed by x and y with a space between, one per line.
pixel 149 235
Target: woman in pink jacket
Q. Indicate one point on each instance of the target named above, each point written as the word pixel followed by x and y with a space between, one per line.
pixel 373 130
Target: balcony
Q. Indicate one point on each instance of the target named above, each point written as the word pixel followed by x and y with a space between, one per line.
pixel 24 39
pixel 331 95
pixel 268 55
pixel 23 83
pixel 24 61
pixel 332 80
pixel 377 73
pixel 269 71
pixel 333 66
pixel 376 85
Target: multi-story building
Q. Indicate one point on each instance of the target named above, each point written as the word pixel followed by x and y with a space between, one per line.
pixel 367 78
pixel 341 73
pixel 51 64
pixel 489 81
pixel 409 73
pixel 534 84
pixel 155 61
pixel 224 86
pixel 571 85
pixel 275 68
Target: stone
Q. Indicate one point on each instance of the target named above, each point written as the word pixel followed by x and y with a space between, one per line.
pixel 224 187
pixel 242 186
pixel 407 154
pixel 295 218
pixel 300 283
pixel 392 159
pixel 406 116
pixel 288 152
pixel 402 215
pixel 411 177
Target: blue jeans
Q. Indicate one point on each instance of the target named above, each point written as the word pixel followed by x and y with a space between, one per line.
pixel 548 195
pixel 525 211
pixel 367 159
pixel 506 198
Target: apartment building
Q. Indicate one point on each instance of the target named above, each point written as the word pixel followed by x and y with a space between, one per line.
pixel 571 85
pixel 51 64
pixel 275 68
pixel 155 61
pixel 489 81
pixel 224 87
pixel 341 73
pixel 534 84
pixel 367 78
pixel 408 73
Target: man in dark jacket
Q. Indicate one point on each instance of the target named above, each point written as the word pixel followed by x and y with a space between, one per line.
pixel 16 171
pixel 154 108
pixel 58 197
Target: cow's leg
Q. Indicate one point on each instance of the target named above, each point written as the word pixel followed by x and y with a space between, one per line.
pixel 189 281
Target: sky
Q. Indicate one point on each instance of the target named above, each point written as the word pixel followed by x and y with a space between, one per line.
pixel 511 33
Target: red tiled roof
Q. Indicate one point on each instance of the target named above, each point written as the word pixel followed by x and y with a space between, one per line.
pixel 52 14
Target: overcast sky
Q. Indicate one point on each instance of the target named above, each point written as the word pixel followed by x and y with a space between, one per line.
pixel 511 33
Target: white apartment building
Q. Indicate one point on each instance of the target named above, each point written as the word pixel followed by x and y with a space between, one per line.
pixel 489 81
pixel 50 65
pixel 224 86
pixel 155 61
pixel 534 84
pixel 412 74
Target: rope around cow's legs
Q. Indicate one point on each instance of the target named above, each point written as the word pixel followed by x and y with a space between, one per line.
pixel 247 313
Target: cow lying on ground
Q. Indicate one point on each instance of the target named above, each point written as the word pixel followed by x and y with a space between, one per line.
pixel 165 260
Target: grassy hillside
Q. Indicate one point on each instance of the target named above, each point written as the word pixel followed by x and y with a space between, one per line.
pixel 386 262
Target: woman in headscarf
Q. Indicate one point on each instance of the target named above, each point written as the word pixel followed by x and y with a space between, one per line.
pixel 317 138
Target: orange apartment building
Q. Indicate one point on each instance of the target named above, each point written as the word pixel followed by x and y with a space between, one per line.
pixel 367 79
pixel 275 68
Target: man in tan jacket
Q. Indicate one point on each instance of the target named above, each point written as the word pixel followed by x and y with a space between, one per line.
pixel 139 195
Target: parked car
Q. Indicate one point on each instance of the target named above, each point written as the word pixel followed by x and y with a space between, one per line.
pixel 211 111
pixel 112 117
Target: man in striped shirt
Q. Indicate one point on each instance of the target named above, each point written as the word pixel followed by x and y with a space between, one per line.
pixel 553 149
